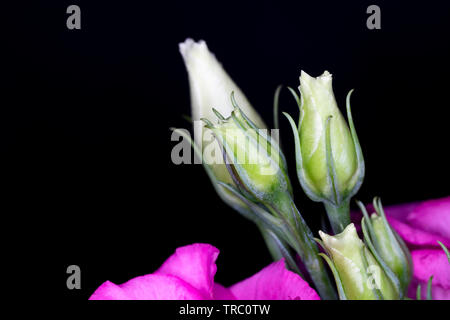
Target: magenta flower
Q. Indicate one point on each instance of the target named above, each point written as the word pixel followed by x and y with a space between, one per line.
pixel 189 275
pixel 422 225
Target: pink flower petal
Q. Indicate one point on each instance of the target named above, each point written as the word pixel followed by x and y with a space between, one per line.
pixel 399 211
pixel 416 237
pixel 222 293
pixel 431 262
pixel 274 282
pixel 432 216
pixel 194 264
pixel 148 287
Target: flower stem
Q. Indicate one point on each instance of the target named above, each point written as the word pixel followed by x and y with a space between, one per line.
pixel 339 216
pixel 302 241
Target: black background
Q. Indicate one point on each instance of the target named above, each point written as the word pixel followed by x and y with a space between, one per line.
pixel 85 120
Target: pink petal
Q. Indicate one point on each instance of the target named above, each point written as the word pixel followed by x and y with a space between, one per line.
pixel 148 287
pixel 222 293
pixel 432 216
pixel 399 211
pixel 195 265
pixel 431 262
pixel 274 282
pixel 417 237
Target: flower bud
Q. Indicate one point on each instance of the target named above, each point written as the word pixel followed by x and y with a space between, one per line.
pixel 387 247
pixel 253 158
pixel 210 87
pixel 329 159
pixel 357 273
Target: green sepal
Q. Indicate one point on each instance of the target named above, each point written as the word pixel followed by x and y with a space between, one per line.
pixel 296 97
pixel 429 295
pixel 276 100
pixel 445 250
pixel 429 289
pixel 395 238
pixel 218 114
pixel 337 279
pixel 299 162
pixel 359 174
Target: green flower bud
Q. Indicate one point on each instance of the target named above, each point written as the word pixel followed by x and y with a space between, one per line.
pixel 387 247
pixel 253 158
pixel 318 111
pixel 357 273
pixel 330 165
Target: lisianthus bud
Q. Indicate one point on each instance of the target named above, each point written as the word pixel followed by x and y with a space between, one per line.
pixel 253 158
pixel 210 87
pixel 330 165
pixel 357 273
pixel 387 247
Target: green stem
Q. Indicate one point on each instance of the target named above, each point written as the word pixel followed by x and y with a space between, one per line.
pixel 305 246
pixel 278 249
pixel 339 216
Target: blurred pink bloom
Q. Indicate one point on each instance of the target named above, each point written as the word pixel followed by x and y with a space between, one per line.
pixel 189 275
pixel 421 225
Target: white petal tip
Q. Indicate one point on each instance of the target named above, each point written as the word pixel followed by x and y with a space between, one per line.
pixel 189 46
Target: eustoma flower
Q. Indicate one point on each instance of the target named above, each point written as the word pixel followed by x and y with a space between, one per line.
pixel 249 172
pixel 189 275
pixel 330 165
pixel 421 225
